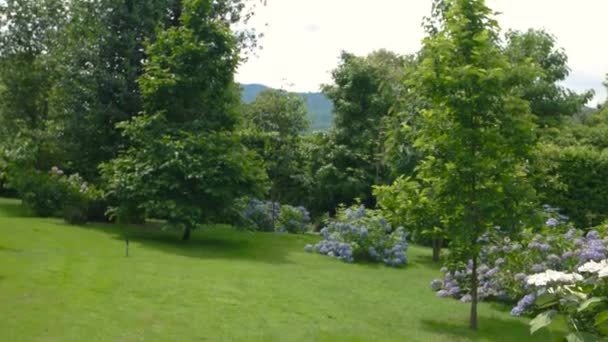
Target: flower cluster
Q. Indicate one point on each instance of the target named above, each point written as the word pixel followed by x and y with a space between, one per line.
pixel 510 267
pixel 360 233
pixel 599 268
pixel 551 277
pixel 262 215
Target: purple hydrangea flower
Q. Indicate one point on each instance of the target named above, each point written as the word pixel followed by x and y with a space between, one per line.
pixel 552 222
pixel 537 268
pixel 466 298
pixel 308 248
pixel 443 294
pixel 436 284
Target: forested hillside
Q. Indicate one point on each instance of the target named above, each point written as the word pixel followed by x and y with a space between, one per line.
pixel 319 107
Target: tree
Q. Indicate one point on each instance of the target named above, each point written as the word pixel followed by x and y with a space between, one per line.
pixel 352 158
pixel 101 57
pixel 28 35
pixel 186 163
pixel 275 122
pixel 477 133
pixel 549 101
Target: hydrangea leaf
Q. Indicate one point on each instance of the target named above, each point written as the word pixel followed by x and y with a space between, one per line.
pixel 591 303
pixel 581 337
pixel 543 320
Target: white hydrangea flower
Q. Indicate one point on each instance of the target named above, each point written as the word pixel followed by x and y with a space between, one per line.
pixel 601 268
pixel 553 277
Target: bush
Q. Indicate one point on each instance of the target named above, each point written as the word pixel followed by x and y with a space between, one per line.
pixel 506 263
pixel 362 234
pixel 55 194
pixel 293 220
pixel 266 216
pixel 574 178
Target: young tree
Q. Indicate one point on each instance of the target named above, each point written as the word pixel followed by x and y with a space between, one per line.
pixel 477 132
pixel 186 163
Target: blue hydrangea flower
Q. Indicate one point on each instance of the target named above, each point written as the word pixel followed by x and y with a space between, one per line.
pixel 552 222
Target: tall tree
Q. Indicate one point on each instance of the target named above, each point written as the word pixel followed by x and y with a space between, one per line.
pixel 363 93
pixel 276 121
pixel 549 101
pixel 102 56
pixel 477 133
pixel 186 163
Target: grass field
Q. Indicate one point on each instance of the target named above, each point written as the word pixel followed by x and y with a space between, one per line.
pixel 68 283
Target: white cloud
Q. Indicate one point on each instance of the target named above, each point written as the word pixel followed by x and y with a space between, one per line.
pixel 304 38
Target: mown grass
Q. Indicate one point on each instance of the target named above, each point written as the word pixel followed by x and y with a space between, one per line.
pixel 69 283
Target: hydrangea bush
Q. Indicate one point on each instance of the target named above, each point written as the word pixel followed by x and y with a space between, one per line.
pixel 507 262
pixel 269 216
pixel 580 297
pixel 54 193
pixel 358 233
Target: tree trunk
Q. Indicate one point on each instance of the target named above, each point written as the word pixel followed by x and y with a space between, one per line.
pixel 473 317
pixel 436 249
pixel 186 234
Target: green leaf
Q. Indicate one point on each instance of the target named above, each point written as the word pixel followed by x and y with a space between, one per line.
pixel 542 320
pixel 601 317
pixel 581 337
pixel 546 300
pixel 590 303
pixel 601 321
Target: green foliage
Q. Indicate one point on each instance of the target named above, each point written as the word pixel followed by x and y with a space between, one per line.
pixel 274 123
pixel 186 178
pixel 186 164
pixel 549 101
pixel 408 203
pixel 53 193
pixel 476 134
pixel 293 220
pixel 100 60
pixel 350 157
pixel 573 178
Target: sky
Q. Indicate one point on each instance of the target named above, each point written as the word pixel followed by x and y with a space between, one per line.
pixel 303 38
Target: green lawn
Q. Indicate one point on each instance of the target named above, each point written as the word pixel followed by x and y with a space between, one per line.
pixel 68 283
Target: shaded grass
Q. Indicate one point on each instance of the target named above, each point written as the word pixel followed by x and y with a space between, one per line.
pixel 68 283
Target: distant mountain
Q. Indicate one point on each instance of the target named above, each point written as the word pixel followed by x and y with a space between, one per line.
pixel 320 108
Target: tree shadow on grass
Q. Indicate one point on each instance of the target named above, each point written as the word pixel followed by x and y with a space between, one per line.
pixel 492 329
pixel 214 242
pixel 426 261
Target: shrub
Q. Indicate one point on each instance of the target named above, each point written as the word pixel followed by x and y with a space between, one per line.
pixel 506 263
pixel 579 297
pixel 266 216
pixel 55 194
pixel 573 178
pixel 358 233
pixel 293 219
pixel 261 215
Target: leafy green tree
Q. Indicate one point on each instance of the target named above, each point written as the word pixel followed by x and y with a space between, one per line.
pixel 549 101
pixel 28 35
pixel 477 133
pixel 101 57
pixel 410 204
pixel 352 154
pixel 186 163
pixel 276 121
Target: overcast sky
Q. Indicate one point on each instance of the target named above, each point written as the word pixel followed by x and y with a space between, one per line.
pixel 303 38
